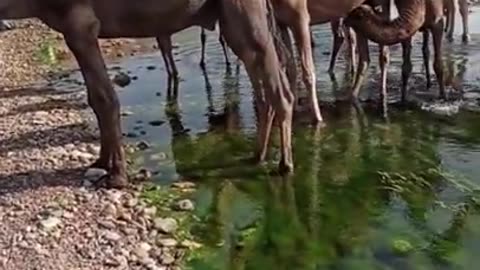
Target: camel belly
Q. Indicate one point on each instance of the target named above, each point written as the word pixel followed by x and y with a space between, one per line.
pixel 322 11
pixel 149 18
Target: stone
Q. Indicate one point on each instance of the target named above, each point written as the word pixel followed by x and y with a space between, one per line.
pixel 95 173
pixel 150 211
pixel 165 225
pixel 184 185
pixel 142 250
pixel 112 236
pixel 184 205
pixel 50 223
pixel 122 79
pixel 166 242
pixel 143 145
pixel 107 224
pixel 143 175
pixel 131 202
pixel 110 210
pixel 156 123
pixel 166 258
pixel 190 244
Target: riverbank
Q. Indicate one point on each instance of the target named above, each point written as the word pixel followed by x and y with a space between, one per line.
pixel 50 216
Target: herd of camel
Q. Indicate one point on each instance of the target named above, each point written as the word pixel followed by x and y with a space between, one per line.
pixel 257 31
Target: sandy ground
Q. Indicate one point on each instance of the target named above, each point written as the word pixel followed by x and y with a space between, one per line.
pixel 50 216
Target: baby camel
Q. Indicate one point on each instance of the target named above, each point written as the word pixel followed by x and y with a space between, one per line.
pixel 434 23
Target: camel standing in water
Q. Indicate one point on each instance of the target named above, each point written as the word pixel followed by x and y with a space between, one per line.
pixel 246 29
pixel 450 9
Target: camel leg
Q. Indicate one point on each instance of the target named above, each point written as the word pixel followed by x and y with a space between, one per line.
pixel 302 35
pixel 363 63
pixel 224 48
pixel 438 60
pixel 291 66
pixel 81 37
pixel 352 47
pixel 463 7
pixel 338 39
pixel 451 10
pixel 383 59
pixel 406 67
pixel 203 40
pixel 426 57
pixel 165 45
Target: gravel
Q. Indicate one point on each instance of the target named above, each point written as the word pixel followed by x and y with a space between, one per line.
pixel 50 216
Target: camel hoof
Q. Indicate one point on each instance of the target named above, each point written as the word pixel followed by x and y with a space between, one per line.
pixel 465 38
pixel 100 164
pixel 285 167
pixel 116 181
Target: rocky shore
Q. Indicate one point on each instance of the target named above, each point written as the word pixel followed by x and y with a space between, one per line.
pixel 50 215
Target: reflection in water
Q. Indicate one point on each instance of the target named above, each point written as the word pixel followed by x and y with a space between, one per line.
pixel 366 194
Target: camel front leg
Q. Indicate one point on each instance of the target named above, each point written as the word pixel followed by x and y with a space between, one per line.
pixel 451 7
pixel 165 45
pixel 426 57
pixel 224 48
pixel 338 39
pixel 302 35
pixel 81 37
pixel 438 60
pixel 384 60
pixel 203 41
pixel 406 67
pixel 463 7
pixel 363 64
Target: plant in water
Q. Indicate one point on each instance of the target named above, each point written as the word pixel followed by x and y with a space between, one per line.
pixel 46 53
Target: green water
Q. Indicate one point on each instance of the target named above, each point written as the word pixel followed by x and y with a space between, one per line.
pixel 366 193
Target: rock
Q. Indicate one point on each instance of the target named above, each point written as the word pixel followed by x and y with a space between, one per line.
pixel 165 225
pixel 122 79
pixel 125 215
pixel 93 149
pixel 50 223
pixel 166 258
pixel 184 185
pixel 117 261
pixel 150 211
pixel 113 196
pixel 166 242
pixel 87 183
pixel 151 67
pixel 190 244
pixel 141 250
pixel 131 202
pixel 95 173
pixel 184 205
pixel 107 224
pixel 156 123
pixel 126 113
pixel 143 145
pixel 112 236
pixel 110 210
pixel 131 135
pixel 143 175
pixel 158 157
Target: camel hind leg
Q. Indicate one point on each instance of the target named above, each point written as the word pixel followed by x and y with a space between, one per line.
pixel 437 35
pixel 338 39
pixel 463 8
pixel 165 45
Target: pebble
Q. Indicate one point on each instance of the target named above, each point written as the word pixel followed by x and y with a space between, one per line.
pixel 166 242
pixel 141 250
pixel 184 205
pixel 131 202
pixel 143 175
pixel 110 210
pixel 150 211
pixel 167 258
pixel 122 79
pixel 165 225
pixel 112 236
pixel 156 123
pixel 50 223
pixel 143 145
pixel 184 185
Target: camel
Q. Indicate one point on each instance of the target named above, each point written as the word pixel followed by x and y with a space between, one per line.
pixel 298 15
pixel 221 39
pixel 246 29
pixel 450 10
pixel 434 23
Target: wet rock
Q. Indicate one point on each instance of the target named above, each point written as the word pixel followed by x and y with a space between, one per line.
pixel 166 242
pixel 165 225
pixel 184 205
pixel 131 135
pixel 126 113
pixel 184 185
pixel 95 173
pixel 50 223
pixel 151 67
pixel 167 258
pixel 156 123
pixel 444 109
pixel 158 157
pixel 143 145
pixel 190 244
pixel 143 175
pixel 150 211
pixel 122 79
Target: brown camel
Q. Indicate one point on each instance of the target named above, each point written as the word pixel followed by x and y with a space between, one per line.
pixel 244 26
pixel 298 15
pixel 434 23
pixel 341 32
pixel 450 9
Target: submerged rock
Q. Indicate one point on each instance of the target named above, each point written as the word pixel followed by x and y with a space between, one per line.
pixel 122 79
pixel 444 109
pixel 184 205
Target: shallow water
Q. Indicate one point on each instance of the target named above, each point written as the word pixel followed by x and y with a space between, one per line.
pixel 367 193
